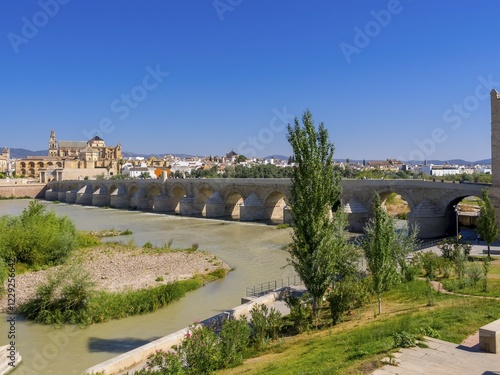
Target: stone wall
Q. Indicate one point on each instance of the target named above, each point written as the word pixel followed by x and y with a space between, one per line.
pixel 22 189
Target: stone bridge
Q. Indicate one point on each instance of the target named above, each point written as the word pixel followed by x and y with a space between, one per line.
pixel 431 203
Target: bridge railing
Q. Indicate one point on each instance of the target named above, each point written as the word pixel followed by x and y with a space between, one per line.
pixel 266 287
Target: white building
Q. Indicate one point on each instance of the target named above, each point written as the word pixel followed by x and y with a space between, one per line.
pixel 441 170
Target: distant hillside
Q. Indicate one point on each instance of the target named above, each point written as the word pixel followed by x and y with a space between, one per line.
pixel 20 153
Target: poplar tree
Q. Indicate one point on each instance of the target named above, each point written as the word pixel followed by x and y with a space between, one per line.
pixel 486 224
pixel 385 249
pixel 319 247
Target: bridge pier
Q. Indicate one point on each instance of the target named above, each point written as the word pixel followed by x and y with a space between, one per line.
pixel 161 203
pixel 357 215
pixel 71 196
pixel 430 227
pixel 287 215
pixel 61 196
pixel 119 198
pixel 84 195
pixel 187 206
pixel 100 198
pixel 215 206
pixel 252 209
pixel 51 195
pixel 139 200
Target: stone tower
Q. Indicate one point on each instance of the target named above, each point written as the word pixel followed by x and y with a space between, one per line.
pixel 6 153
pixel 52 144
pixel 495 152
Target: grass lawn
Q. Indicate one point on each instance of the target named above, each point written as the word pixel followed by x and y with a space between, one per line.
pixel 357 345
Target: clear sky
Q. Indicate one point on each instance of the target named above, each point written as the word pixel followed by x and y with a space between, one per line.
pixel 390 79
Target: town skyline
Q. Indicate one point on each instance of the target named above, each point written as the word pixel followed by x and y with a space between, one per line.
pixel 199 78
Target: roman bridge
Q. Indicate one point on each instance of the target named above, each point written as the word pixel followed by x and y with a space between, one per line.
pixel 431 203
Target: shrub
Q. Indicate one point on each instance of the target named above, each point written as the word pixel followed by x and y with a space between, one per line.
pixel 85 239
pixel 200 350
pixel 265 323
pixel 282 226
pixel 404 339
pixel 474 272
pixel 348 294
pixel 162 363
pixel 235 342
pixel 62 297
pixel 148 245
pixel 430 263
pixel 300 311
pixel 37 237
pixel 429 331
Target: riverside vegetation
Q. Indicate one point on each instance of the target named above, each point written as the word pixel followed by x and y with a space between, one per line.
pixel 38 240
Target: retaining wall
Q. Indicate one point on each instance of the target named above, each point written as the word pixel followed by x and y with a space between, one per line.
pixel 126 360
pixel 21 189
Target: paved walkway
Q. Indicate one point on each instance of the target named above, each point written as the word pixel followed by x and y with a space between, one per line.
pixel 442 358
pixel 477 249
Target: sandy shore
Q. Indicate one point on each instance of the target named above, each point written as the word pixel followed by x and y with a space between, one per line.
pixel 118 268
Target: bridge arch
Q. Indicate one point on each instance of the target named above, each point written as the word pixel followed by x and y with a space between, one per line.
pixel 177 192
pixel 232 204
pixel 202 194
pixel 274 203
pixel 153 191
pixel 384 193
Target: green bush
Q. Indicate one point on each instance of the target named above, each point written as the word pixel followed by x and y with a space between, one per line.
pixel 348 294
pixel 235 342
pixel 266 324
pixel 430 263
pixel 61 298
pixel 201 350
pixel 50 306
pixel 404 339
pixel 474 272
pixel 162 363
pixel 85 239
pixel 37 237
pixel 300 311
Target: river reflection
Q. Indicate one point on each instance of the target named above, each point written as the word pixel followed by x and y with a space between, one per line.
pixel 255 250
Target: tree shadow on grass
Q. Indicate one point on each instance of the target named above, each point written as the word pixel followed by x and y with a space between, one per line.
pixel 119 345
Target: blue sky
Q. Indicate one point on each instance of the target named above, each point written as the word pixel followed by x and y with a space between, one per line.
pixel 390 79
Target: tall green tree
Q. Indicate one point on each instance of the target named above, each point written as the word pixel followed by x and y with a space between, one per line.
pixel 486 225
pixel 318 236
pixel 385 249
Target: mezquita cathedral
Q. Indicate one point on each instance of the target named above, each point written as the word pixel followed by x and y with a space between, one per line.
pixel 72 160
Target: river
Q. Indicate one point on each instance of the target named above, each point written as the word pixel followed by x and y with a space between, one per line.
pixel 255 250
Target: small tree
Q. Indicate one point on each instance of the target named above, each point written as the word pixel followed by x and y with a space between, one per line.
pixel 385 249
pixel 486 225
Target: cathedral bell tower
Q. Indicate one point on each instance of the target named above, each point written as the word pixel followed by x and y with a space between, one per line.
pixel 52 144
